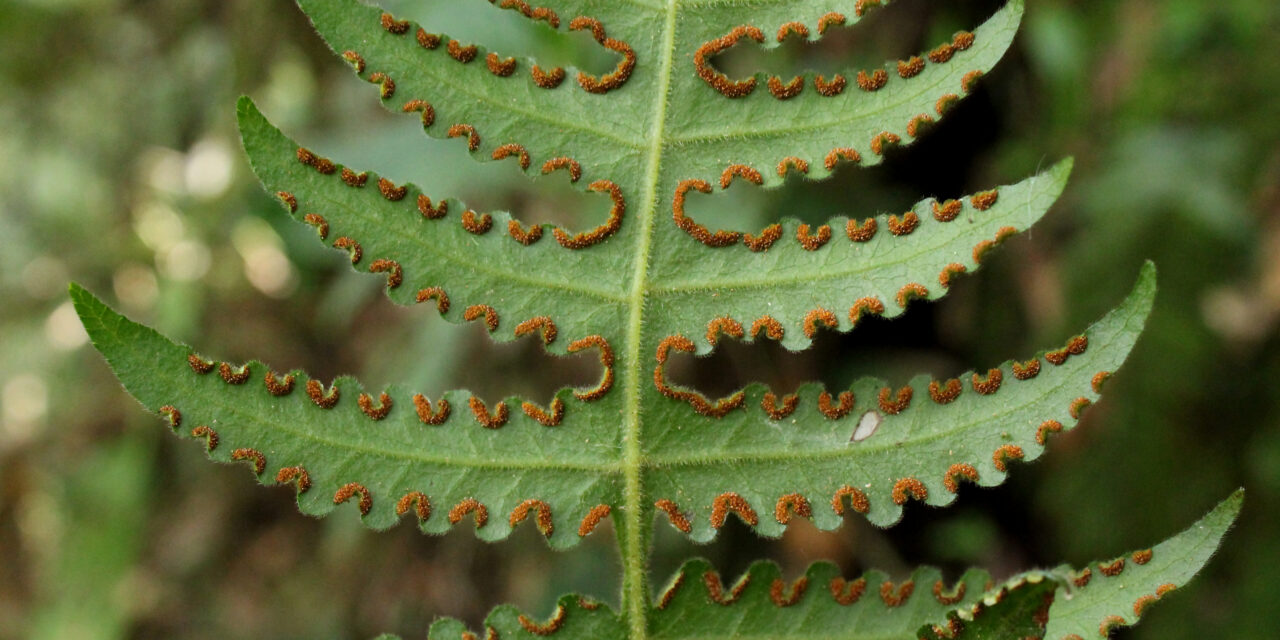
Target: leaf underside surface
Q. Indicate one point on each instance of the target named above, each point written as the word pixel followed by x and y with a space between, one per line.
pixel 696 603
pixel 656 139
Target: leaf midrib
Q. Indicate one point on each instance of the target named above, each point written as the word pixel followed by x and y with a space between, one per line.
pixel 637 514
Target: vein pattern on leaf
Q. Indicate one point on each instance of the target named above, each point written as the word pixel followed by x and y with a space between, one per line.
pixel 519 282
pixel 564 121
pixel 691 461
pixel 678 277
pixel 473 273
pixel 760 130
pixel 573 467
pixel 654 138
pixel 787 282
pixel 675 458
pixel 697 602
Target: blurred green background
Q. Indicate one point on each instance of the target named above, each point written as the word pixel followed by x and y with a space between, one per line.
pixel 120 168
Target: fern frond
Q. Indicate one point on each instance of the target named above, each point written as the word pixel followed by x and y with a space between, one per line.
pixel 653 138
pixel 340 443
pixel 759 129
pixel 438 254
pixel 873 265
pixel 549 120
pixel 1115 593
pixel 878 453
pixel 697 602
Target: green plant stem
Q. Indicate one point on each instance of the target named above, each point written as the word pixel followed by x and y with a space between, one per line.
pixel 634 529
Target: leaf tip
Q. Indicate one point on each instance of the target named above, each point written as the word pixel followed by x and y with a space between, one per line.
pixel 1228 509
pixel 76 291
pixel 247 113
pixel 87 306
pixel 1062 170
pixel 1143 296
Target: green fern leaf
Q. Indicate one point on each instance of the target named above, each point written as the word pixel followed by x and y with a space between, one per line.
pixel 388 467
pixel 1019 609
pixel 662 131
pixel 583 295
pixel 879 456
pixel 1115 593
pixel 821 603
pixel 697 603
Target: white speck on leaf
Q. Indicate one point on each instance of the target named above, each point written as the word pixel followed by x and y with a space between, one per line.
pixel 867 425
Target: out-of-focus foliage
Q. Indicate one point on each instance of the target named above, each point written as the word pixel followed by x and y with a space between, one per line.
pixel 119 168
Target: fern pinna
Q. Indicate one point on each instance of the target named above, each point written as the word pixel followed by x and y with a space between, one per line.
pixel 653 138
